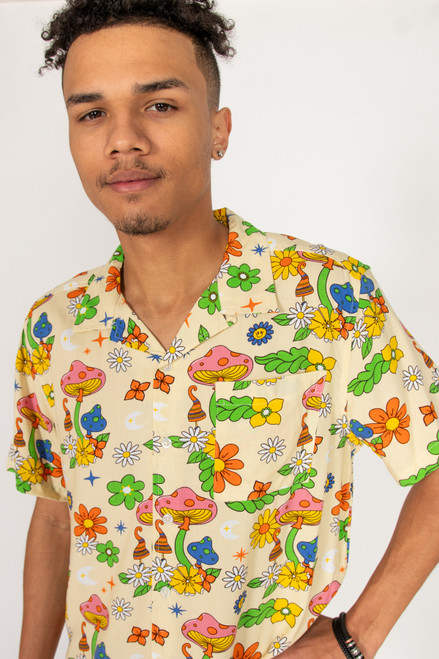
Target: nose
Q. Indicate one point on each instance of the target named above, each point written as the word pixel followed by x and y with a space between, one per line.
pixel 126 134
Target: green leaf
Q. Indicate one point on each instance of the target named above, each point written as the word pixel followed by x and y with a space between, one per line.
pixel 235 408
pixel 372 374
pixel 195 457
pixel 283 361
pixel 103 438
pixel 302 334
pixel 366 348
pixel 161 584
pixel 255 583
pixel 250 230
pixel 286 470
pixel 63 449
pixel 270 590
pixel 213 572
pixel 333 429
pixel 149 444
pixel 72 463
pixel 203 334
pixel 434 389
pixel 271 289
pixel 342 442
pixel 350 319
pixel 241 384
pixel 176 441
pixel 131 326
pixel 123 578
pixel 142 590
pixel 50 340
pixel 282 319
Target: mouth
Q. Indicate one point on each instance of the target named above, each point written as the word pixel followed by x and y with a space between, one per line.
pixel 132 181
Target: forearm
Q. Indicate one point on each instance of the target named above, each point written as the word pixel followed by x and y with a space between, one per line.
pixel 398 577
pixel 45 580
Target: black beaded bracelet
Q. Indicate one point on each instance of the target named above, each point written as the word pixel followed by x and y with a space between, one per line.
pixel 347 644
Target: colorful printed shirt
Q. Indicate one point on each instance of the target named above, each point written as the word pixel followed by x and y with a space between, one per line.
pixel 210 484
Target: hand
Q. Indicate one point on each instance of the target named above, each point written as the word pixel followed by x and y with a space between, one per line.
pixel 318 641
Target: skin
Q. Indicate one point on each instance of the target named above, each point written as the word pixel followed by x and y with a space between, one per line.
pixel 125 130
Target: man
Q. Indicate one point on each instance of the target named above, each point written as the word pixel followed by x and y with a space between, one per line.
pixel 220 404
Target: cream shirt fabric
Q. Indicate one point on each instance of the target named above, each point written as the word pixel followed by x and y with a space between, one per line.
pixel 210 484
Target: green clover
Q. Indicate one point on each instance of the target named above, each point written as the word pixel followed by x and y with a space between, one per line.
pixel 87 309
pixel 210 299
pixel 126 491
pixel 107 553
pixel 243 277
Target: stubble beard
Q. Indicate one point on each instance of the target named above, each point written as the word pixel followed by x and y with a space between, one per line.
pixel 141 223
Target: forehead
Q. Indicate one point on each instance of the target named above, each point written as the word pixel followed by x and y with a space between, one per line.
pixel 118 57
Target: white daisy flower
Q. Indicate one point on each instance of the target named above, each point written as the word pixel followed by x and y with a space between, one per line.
pixel 279 646
pixel 74 306
pixel 156 443
pixel 235 578
pixel 194 439
pixel 359 334
pixel 119 359
pixel 223 270
pixel 335 525
pixel 325 405
pixel 270 575
pixel 176 349
pixel 301 315
pixel 435 375
pixel 301 462
pixel 342 426
pixel 412 378
pixel 69 445
pixel 85 545
pixel 126 454
pixel 321 249
pixel 121 609
pixel 272 449
pixel 161 571
pixel 138 575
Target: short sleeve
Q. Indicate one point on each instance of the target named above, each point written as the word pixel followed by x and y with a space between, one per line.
pixel 33 455
pixel 392 388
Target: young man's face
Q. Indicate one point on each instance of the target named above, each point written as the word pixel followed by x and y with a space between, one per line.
pixel 142 133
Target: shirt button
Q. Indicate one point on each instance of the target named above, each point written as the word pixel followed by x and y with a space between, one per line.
pixel 166 443
pixel 168 519
pixel 165 592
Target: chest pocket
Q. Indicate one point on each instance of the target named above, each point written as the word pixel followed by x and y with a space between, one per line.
pixel 265 434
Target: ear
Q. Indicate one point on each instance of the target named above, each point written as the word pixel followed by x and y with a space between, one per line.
pixel 221 129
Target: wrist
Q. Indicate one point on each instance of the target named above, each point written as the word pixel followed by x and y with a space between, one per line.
pixel 364 631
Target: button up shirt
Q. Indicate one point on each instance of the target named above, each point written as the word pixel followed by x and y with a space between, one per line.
pixel 210 484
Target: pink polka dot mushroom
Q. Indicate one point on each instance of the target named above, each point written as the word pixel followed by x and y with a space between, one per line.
pixel 144 512
pixel 301 508
pixel 82 380
pixel 186 508
pixel 209 634
pixel 95 612
pixel 28 408
pixel 220 365
pixel 320 601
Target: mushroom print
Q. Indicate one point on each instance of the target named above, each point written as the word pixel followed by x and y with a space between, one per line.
pixel 29 409
pixel 96 613
pixel 320 601
pixel 220 365
pixel 209 634
pixel 144 512
pixel 301 508
pixel 186 508
pixel 80 381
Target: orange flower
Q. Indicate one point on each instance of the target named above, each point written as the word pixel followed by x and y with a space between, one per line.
pixel 137 390
pixel 429 413
pixel 345 327
pixel 224 466
pixel 57 471
pixel 250 653
pixel 98 447
pixel 162 381
pixel 89 522
pixel 136 335
pixel 113 279
pixel 389 423
pixel 78 292
pixel 158 635
pixel 233 246
pixel 260 490
pixel 138 636
pixel 343 496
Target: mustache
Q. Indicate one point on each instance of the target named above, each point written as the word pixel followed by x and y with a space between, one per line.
pixel 103 177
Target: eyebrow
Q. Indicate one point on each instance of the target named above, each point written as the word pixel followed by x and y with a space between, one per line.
pixel 138 88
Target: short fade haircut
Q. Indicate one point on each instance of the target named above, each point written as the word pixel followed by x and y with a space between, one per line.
pixel 207 29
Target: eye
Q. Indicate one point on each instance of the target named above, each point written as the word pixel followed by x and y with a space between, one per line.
pixel 92 115
pixel 161 107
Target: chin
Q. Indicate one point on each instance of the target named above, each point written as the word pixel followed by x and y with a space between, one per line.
pixel 141 224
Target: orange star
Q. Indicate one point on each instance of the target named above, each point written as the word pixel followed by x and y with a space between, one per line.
pixel 87 351
pixel 111 583
pixel 104 590
pixel 187 318
pixel 251 305
pixel 100 339
pixel 241 554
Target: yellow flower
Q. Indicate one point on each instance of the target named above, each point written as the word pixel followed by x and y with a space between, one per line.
pixel 186 581
pixel 285 263
pixel 326 325
pixel 267 412
pixel 264 529
pixel 392 354
pixel 293 577
pixel 84 452
pixel 48 392
pixel 286 611
pixel 136 345
pixel 320 364
pixel 23 363
pixel 40 360
pixel 210 445
pixel 356 268
pixel 31 470
pixel 374 320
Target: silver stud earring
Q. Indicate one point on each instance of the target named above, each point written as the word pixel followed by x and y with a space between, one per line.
pixel 220 154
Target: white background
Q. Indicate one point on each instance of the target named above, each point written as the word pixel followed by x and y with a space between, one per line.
pixel 336 139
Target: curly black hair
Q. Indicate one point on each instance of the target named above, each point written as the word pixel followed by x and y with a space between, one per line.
pixel 208 30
